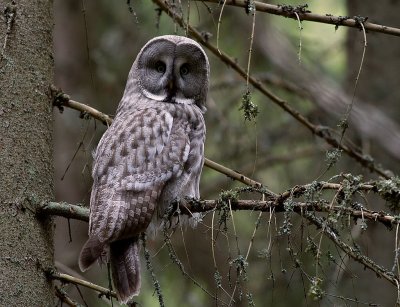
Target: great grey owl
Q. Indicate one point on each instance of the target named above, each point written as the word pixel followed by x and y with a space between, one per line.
pixel 151 155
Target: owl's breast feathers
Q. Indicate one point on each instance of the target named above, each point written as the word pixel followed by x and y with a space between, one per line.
pixel 141 152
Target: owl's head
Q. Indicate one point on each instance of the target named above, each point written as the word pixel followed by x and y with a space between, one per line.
pixel 173 69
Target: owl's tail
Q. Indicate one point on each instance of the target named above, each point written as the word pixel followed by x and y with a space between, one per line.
pixel 125 267
pixel 90 252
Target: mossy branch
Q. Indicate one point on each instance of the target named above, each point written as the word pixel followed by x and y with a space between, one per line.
pixel 284 202
pixel 352 252
pixel 191 206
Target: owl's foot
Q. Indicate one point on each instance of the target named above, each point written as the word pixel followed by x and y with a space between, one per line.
pixel 178 212
pixel 171 215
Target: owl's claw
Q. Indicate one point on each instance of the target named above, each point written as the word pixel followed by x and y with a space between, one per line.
pixel 172 211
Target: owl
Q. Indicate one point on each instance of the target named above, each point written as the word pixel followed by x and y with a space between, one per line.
pixel 151 155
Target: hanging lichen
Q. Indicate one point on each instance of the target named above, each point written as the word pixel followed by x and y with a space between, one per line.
pixel 250 110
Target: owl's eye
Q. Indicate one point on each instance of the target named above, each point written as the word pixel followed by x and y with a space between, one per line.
pixel 160 67
pixel 184 69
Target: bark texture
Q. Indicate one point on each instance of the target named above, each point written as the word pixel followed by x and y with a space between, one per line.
pixel 26 167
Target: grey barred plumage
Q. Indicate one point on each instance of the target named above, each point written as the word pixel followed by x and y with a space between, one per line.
pixel 151 155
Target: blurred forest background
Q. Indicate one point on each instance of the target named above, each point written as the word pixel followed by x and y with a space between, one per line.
pixel 95 44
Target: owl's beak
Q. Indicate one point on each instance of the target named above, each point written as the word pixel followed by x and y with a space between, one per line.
pixel 171 86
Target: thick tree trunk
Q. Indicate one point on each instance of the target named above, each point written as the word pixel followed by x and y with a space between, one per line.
pixel 26 163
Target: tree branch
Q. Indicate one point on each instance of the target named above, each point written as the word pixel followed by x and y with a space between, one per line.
pixel 317 130
pixel 357 212
pixel 350 251
pixel 76 212
pixel 303 14
pixel 71 279
pixel 62 295
pixel 61 100
pixel 281 203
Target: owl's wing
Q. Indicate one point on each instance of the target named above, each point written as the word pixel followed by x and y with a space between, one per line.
pixel 136 156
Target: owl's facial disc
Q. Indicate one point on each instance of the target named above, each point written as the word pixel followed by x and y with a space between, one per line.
pixel 173 72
